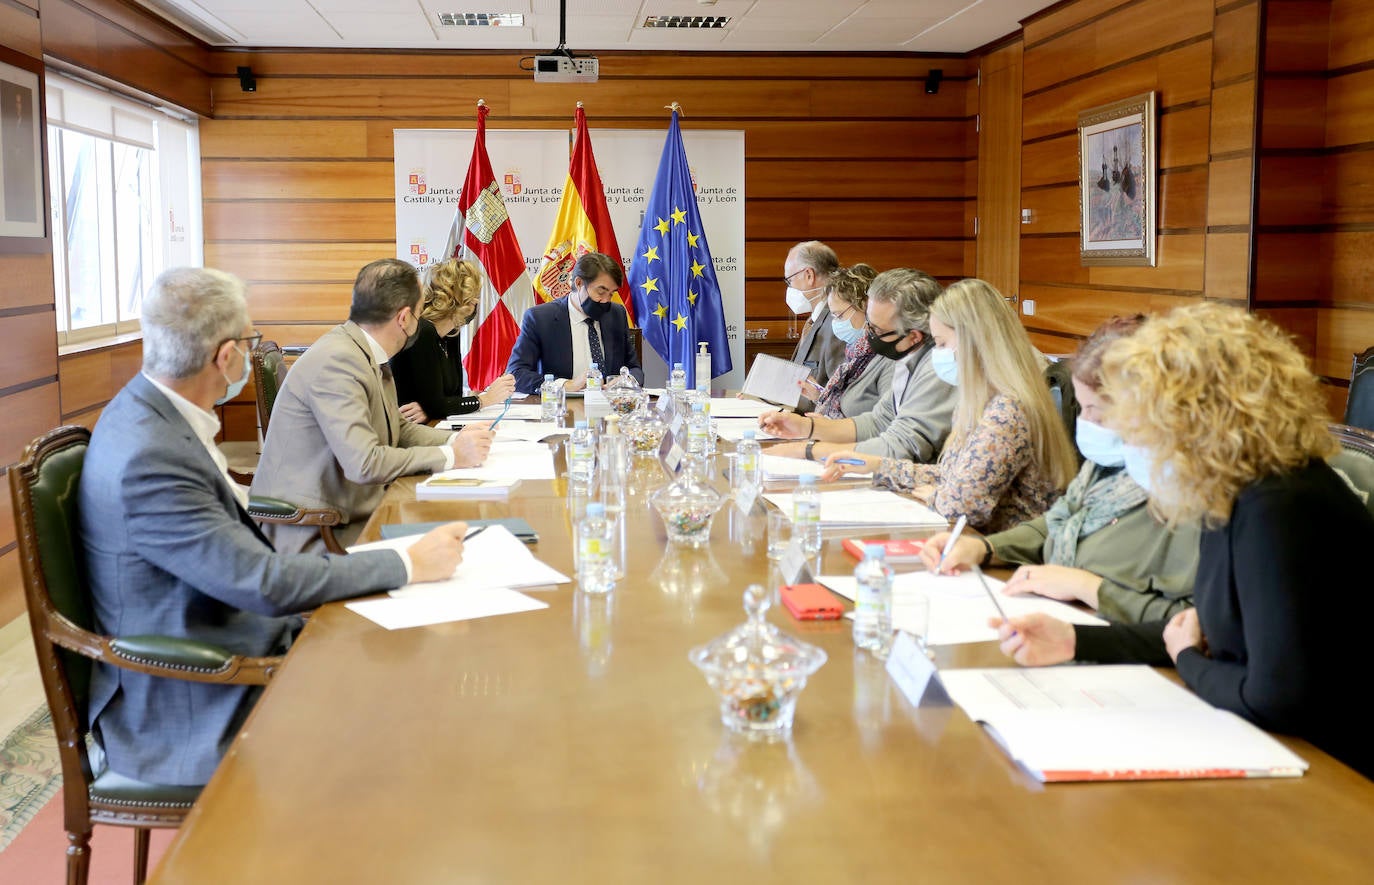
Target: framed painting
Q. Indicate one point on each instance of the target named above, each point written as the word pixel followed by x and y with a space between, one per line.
pixel 23 212
pixel 1117 188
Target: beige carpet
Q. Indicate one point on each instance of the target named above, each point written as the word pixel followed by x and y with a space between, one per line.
pixel 30 774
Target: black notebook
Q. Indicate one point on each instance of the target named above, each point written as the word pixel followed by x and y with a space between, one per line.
pixel 513 524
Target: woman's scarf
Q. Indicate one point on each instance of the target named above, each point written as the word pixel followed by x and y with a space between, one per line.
pixel 1094 499
pixel 857 356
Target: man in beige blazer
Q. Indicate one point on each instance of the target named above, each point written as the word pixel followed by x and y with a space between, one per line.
pixel 336 437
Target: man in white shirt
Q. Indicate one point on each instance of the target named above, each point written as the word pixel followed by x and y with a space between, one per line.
pixel 337 436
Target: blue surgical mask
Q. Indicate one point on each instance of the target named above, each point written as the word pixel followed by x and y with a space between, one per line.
pixel 1098 444
pixel 946 367
pixel 1137 461
pixel 844 331
pixel 236 387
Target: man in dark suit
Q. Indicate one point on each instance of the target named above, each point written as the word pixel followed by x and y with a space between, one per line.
pixel 565 336
pixel 807 271
pixel 169 549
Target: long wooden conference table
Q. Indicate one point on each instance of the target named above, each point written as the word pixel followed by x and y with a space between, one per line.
pixel 578 744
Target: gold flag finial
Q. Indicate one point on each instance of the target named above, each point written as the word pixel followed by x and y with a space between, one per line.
pixel 481 102
pixel 674 107
pixel 579 104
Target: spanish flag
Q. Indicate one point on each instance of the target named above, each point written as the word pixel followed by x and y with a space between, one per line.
pixel 583 225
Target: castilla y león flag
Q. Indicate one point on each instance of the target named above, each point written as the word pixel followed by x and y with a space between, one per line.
pixel 583 224
pixel 482 233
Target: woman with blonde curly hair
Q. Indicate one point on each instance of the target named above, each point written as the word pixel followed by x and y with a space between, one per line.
pixel 1225 426
pixel 1008 456
pixel 429 374
pixel 854 387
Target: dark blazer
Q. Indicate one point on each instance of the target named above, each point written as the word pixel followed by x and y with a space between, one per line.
pixel 819 350
pixel 169 551
pixel 545 345
pixel 431 373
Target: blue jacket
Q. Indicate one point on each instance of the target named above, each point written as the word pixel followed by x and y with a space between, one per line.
pixel 545 345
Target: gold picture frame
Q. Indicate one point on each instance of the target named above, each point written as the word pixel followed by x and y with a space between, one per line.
pixel 1118 182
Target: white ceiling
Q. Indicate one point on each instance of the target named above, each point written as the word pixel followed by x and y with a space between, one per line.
pixel 759 25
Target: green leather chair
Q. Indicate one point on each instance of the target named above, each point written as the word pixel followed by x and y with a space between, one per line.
pixel 1059 376
pixel 268 369
pixel 1356 459
pixel 43 489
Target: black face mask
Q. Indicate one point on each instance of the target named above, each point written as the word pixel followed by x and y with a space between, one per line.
pixel 595 309
pixel 411 338
pixel 884 348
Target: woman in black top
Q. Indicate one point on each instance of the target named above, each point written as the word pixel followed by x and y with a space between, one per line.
pixel 1225 426
pixel 429 374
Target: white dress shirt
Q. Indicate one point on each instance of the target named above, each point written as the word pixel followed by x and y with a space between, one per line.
pixel 204 425
pixel 382 359
pixel 581 343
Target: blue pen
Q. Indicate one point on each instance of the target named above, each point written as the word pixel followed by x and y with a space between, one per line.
pixel 852 462
pixel 500 416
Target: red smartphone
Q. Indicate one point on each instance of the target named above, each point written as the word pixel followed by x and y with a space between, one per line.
pixel 811 602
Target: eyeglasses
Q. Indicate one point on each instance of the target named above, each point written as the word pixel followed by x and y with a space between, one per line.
pixel 881 336
pixel 253 340
pixel 847 311
pixel 788 278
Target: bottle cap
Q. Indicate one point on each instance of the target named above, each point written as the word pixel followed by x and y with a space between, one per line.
pixel 701 348
pixel 596 366
pixel 875 551
pixel 699 407
pixel 748 434
pixel 807 479
pixel 677 366
pixel 548 377
pixel 580 424
pixel 596 508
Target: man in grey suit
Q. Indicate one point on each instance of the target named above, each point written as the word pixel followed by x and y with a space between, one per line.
pixel 807 272
pixel 337 436
pixel 169 549
pixel 912 418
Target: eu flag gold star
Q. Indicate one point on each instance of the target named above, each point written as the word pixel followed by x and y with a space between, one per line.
pixel 680 322
pixel 661 311
pixel 662 226
pixel 697 268
pixel 679 217
pixel 652 255
pixel 692 239
pixel 649 285
pixel 691 298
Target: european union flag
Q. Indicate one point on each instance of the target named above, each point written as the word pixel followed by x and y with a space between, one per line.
pixel 673 282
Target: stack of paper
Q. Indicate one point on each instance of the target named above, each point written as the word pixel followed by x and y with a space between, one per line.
pixel 398 614
pixel 775 467
pixel 517 412
pixel 510 460
pixel 527 431
pixel 492 558
pixel 729 407
pixel 443 488
pixel 959 608
pixel 733 428
pixel 775 380
pixel 1113 723
pixel 848 508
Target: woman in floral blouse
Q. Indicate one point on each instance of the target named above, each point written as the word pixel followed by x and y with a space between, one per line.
pixel 1008 456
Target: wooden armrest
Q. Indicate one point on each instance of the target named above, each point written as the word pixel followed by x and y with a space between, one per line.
pixel 166 656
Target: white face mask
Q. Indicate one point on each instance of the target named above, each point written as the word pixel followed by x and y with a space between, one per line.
pixel 797 301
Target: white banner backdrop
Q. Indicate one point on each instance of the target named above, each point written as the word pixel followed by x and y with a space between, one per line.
pixel 532 166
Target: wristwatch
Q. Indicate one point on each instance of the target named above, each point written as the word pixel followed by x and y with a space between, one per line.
pixel 810 444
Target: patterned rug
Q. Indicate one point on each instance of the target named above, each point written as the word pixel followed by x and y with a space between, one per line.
pixel 30 773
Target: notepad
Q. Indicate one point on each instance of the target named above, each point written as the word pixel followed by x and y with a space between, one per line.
pixel 513 524
pixel 492 558
pixel 444 488
pixel 853 508
pixel 1113 723
pixel 776 467
pixel 775 380
pixel 399 614
pixel 733 429
pixel 509 460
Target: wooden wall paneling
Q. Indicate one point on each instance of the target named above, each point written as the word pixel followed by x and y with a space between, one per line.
pixel 713 98
pixel 1233 118
pixel 299 302
pixel 999 170
pixel 1052 210
pixel 30 350
pixel 940 258
pixel 1185 137
pixel 1348 192
pixel 1336 395
pixel 881 98
pixel 253 179
pixel 1050 161
pixel 1132 31
pixel 128 45
pixel 1342 332
pixel 1228 266
pixel 940 179
pixel 1074 310
pixel 21 30
pixel 282 262
pixel 1291 190
pixel 1235 47
pixel 1352 34
pixel 872 219
pixel 358 97
pixel 1052 259
pixel 1352 267
pixel 1052 343
pixel 1291 266
pixel 85 381
pixel 1350 108
pixel 1183 199
pixel 1055 20
pixel 297 334
pixel 321 221
pixel 28 414
pixel 1228 192
pixel 1298 322
pixel 28 280
pixel 1289 121
pixel 310 139
pixel 1296 35
pixel 1180 267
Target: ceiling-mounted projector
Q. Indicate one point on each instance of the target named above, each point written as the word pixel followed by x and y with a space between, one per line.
pixel 565 69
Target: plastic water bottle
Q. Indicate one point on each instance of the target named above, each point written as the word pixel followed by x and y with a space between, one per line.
pixel 806 516
pixel 704 397
pixel 594 377
pixel 548 399
pixel 747 468
pixel 613 462
pixel 677 381
pixel 698 430
pixel 594 568
pixel 873 602
pixel 582 455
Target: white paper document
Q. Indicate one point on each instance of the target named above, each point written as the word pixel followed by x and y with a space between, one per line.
pixel 775 380
pixel 733 428
pixel 492 558
pixel 1113 723
pixel 865 507
pixel 959 608
pixel 398 614
pixel 778 467
pixel 527 431
pixel 730 407
pixel 510 459
pixel 517 412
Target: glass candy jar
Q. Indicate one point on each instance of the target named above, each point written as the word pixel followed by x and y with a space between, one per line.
pixel 623 392
pixel 644 428
pixel 757 671
pixel 688 506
